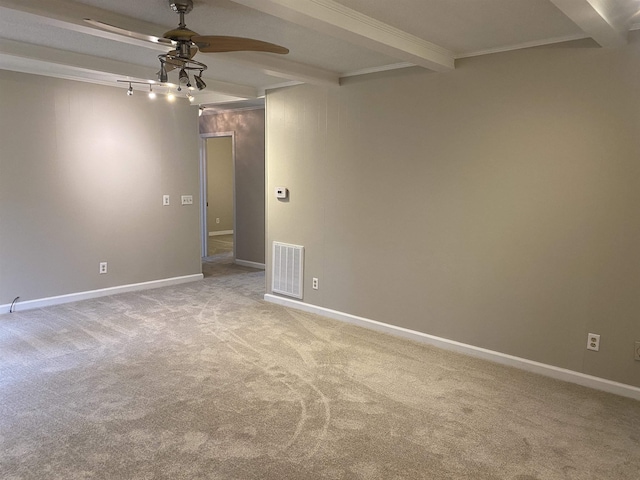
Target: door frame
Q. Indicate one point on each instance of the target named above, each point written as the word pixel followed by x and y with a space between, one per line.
pixel 204 232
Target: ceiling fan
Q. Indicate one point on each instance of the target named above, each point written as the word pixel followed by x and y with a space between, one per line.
pixel 186 43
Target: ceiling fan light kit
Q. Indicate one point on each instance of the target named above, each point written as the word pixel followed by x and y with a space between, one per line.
pixel 186 43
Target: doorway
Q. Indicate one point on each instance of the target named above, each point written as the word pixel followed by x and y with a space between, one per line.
pixel 218 194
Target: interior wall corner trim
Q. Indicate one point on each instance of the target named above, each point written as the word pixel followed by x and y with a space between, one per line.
pixel 551 371
pixel 103 292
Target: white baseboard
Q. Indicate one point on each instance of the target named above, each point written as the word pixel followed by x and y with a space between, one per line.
pixel 246 263
pixel 103 292
pixel 522 363
pixel 221 232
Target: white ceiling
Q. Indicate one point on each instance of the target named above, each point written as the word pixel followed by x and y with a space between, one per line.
pixel 328 39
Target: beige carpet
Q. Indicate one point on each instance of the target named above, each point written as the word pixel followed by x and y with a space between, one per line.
pixel 207 381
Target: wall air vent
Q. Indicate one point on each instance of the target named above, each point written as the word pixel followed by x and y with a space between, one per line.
pixel 288 263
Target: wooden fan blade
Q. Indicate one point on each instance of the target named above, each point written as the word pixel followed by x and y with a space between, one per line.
pixel 128 33
pixel 217 44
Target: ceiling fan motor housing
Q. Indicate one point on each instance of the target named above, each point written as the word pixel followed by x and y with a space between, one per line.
pixel 184 49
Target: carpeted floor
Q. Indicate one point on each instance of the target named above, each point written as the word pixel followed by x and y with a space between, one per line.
pixel 207 381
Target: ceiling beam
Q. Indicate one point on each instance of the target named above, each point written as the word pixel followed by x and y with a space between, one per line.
pixel 52 62
pixel 596 18
pixel 36 67
pixel 332 18
pixel 70 16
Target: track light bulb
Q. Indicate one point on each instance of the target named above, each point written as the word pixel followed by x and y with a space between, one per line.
pixel 152 94
pixel 190 97
pixel 130 90
pixel 199 82
pixel 183 77
pixel 162 74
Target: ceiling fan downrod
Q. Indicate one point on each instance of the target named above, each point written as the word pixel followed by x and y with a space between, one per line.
pixel 181 7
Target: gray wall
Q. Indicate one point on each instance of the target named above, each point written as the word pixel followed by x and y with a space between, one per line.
pixel 249 128
pixel 82 172
pixel 497 205
pixel 219 184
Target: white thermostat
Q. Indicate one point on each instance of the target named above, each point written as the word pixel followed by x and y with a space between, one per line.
pixel 282 192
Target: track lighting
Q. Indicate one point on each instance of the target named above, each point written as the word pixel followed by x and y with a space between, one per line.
pixel 200 111
pixel 166 89
pixel 199 82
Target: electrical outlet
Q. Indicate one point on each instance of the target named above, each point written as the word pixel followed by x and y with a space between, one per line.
pixel 165 200
pixel 187 199
pixel 593 342
pixel 314 283
pixel 217 220
pixel 637 350
pixel 103 268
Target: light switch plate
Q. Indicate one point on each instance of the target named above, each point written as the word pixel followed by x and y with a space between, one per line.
pixel 187 199
pixel 165 200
